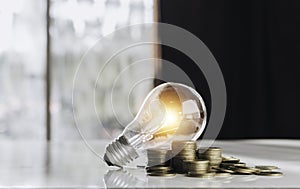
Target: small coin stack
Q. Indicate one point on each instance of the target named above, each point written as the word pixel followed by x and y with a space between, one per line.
pixel 159 163
pixel 198 168
pixel 183 151
pixel 213 154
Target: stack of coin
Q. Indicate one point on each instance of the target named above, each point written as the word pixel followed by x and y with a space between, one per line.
pixel 159 163
pixel 158 157
pixel 183 152
pixel 213 154
pixel 159 170
pixel 198 168
pixel 209 163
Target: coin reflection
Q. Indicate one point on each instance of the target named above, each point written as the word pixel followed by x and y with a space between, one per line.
pixel 122 178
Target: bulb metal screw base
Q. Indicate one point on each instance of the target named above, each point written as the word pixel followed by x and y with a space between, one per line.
pixel 119 153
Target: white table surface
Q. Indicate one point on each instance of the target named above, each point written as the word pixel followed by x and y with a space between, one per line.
pixel 33 164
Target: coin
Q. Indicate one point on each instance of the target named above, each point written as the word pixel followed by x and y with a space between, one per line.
pixel 252 168
pixel 183 151
pixel 199 162
pixel 162 174
pixel 263 170
pixel 190 155
pixel 230 160
pixel 154 163
pixel 212 151
pixel 197 166
pixel 270 173
pixel 213 154
pixel 158 168
pixel 245 170
pixel 226 170
pixel 266 167
pixel 184 144
pixel 236 173
pixel 159 172
pixel 185 158
pixel 158 161
pixel 215 149
pixel 222 174
pixel 184 141
pixel 205 175
pixel 215 160
pixel 232 164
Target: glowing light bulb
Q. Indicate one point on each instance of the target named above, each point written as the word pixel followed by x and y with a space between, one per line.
pixel 171 111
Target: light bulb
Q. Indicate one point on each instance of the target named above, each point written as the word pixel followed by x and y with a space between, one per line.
pixel 171 111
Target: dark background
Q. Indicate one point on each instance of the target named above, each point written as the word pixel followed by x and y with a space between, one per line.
pixel 257 46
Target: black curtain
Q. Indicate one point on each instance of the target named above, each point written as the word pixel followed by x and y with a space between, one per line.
pixel 257 46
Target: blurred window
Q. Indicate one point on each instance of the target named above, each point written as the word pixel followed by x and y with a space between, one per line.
pixel 22 69
pixel 75 26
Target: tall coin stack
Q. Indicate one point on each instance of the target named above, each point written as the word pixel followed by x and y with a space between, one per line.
pixel 183 151
pixel 213 154
pixel 159 163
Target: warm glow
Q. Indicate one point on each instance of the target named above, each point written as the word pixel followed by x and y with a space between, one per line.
pixel 170 124
pixel 171 118
pixel 172 105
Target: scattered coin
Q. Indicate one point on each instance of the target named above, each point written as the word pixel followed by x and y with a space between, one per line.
pixel 225 170
pixel 230 160
pixel 232 164
pixel 266 167
pixel 270 173
pixel 245 170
